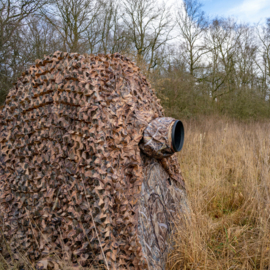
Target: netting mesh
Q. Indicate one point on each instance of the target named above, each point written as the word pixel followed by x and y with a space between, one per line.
pixel 73 170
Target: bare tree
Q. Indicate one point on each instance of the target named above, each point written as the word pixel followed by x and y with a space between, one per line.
pixel 222 40
pixel 72 18
pixel 263 61
pixel 192 26
pixel 245 57
pixel 108 34
pixel 40 38
pixel 12 19
pixel 12 14
pixel 149 27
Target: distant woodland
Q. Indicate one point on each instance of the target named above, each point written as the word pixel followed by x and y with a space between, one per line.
pixel 198 65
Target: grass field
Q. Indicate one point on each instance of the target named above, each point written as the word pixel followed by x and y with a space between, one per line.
pixel 226 167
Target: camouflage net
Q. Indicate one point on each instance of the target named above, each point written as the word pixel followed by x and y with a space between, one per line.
pixel 74 181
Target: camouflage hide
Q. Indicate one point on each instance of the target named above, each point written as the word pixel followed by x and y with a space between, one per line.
pixel 75 183
pixel 160 202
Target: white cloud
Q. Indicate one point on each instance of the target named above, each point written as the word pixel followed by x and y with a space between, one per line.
pixel 246 11
pixel 251 10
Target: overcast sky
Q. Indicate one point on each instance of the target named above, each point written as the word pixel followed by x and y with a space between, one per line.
pixel 245 11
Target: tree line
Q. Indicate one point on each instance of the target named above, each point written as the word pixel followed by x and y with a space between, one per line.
pixel 196 64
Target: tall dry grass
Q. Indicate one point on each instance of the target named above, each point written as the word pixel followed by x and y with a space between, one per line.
pixel 226 167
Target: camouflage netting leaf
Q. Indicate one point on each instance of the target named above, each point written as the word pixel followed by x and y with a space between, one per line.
pixel 74 178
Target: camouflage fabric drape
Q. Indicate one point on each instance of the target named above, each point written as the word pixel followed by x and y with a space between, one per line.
pixel 74 178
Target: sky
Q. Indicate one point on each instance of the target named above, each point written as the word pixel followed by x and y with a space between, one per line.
pixel 245 11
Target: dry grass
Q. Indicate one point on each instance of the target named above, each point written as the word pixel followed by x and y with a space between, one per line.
pixel 226 167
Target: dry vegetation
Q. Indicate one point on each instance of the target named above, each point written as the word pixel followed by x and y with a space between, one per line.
pixel 226 167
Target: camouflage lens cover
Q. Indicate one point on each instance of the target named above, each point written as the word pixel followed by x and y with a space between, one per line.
pixel 157 138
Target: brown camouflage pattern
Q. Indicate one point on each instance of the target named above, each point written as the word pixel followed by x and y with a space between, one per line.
pixel 161 199
pixel 156 140
pixel 72 167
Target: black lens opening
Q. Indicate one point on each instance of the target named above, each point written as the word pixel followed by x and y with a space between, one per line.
pixel 177 135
